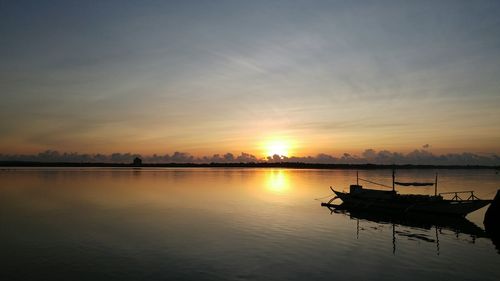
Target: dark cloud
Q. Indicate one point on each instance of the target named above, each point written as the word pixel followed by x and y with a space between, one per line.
pixel 55 156
pixel 416 157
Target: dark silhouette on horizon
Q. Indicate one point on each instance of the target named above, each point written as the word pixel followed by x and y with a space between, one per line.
pixel 137 161
pixel 290 165
pixel 384 157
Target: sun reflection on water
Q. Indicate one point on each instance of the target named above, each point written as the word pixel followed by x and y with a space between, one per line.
pixel 277 181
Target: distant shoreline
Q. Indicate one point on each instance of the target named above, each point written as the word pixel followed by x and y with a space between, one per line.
pixel 290 165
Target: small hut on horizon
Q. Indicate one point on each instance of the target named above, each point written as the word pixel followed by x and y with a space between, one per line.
pixel 137 161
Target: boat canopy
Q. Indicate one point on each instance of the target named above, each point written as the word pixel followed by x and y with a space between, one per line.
pixel 414 183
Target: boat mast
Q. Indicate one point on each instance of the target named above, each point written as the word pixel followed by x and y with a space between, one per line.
pixel 436 185
pixel 357 178
pixel 393 179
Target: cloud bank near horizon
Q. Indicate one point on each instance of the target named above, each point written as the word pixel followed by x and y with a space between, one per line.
pixel 416 157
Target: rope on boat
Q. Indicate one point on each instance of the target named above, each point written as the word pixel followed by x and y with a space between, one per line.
pixel 329 195
pixel 375 183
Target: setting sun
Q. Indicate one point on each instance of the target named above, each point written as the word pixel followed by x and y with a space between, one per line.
pixel 279 147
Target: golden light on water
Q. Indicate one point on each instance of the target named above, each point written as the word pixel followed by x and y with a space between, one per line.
pixel 277 181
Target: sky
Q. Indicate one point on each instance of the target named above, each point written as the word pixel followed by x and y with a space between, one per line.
pixel 296 78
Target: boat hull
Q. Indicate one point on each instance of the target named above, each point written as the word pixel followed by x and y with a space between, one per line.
pixel 444 207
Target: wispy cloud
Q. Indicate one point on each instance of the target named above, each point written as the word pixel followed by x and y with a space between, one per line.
pixel 343 75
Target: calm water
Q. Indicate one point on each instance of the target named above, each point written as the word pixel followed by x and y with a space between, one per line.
pixel 225 224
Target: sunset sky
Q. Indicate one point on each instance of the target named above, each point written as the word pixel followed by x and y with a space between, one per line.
pixel 294 77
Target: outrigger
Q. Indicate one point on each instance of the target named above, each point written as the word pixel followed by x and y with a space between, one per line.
pixel 382 200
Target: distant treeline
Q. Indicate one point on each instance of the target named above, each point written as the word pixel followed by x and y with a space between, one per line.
pixel 384 157
pixel 291 165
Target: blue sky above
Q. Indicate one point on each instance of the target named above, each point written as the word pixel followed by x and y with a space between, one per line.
pixel 218 76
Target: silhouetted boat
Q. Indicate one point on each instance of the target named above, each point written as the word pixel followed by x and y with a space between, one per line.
pixel 491 219
pixel 417 226
pixel 363 198
pixel 456 224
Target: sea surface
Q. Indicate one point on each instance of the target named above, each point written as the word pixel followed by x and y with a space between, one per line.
pixel 229 224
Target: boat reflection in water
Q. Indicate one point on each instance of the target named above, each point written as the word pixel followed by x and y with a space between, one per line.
pixel 432 226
